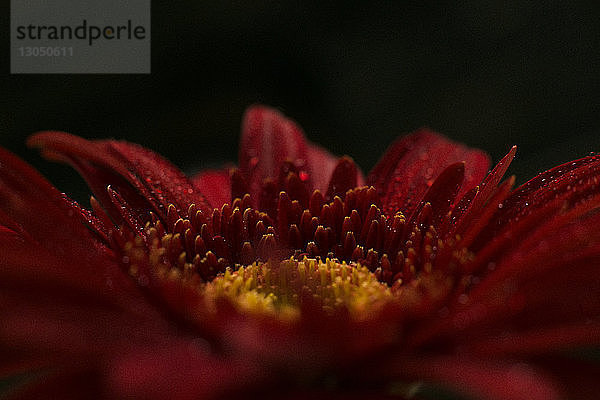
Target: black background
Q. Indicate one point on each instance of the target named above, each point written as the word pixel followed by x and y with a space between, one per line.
pixel 355 75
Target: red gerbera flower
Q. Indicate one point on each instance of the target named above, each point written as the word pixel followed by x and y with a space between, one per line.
pixel 292 275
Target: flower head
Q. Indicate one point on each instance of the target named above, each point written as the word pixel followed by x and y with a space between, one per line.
pixel 292 274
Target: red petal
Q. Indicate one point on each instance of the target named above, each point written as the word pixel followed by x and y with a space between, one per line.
pixel 39 209
pixel 542 278
pixel 578 378
pixel 88 218
pixel 559 241
pixel 268 140
pixel 444 190
pixel 571 182
pixel 412 163
pixel 483 379
pixel 39 281
pixel 143 178
pixel 536 341
pixel 343 178
pixel 179 371
pixel 162 179
pixel 74 380
pixel 75 331
pixel 478 216
pixel 215 185
pixel 322 163
pixel 486 190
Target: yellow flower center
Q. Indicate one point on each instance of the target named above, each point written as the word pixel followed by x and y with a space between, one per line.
pixel 282 288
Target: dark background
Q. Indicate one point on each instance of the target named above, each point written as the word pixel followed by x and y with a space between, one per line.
pixel 355 75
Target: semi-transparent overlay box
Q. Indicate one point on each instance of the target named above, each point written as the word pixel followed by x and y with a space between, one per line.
pixel 80 37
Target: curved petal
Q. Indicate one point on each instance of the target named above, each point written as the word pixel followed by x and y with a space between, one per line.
pixel 536 340
pixel 578 378
pixel 269 139
pixel 443 191
pixel 323 163
pixel 569 183
pixel 32 204
pixel 411 165
pixel 144 179
pixel 468 211
pixel 491 380
pixel 215 185
pixel 343 178
pixel 57 303
pixel 545 275
pixel 561 240
pixel 76 379
pixel 180 371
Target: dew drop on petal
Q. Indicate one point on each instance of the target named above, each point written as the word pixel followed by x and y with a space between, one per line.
pixel 428 173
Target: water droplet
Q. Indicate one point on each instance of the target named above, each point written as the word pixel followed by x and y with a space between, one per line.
pixel 428 173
